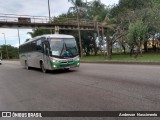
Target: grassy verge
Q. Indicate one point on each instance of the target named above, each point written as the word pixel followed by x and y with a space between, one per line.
pixel 124 58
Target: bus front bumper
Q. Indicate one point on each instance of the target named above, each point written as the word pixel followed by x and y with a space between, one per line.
pixel 64 65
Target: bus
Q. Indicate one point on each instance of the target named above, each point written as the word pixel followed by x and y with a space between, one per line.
pixel 50 52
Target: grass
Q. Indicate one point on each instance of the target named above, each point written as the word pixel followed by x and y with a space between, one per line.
pixel 124 58
pixel 152 57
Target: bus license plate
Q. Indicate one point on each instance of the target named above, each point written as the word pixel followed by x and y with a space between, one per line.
pixel 70 60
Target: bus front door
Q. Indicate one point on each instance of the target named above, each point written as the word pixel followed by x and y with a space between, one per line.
pixel 46 60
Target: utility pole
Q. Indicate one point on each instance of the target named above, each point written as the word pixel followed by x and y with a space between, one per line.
pixel 79 33
pixel 49 14
pixel 0 53
pixel 6 45
pixel 19 37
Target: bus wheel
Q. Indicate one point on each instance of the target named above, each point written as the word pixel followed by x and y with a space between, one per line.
pixel 66 69
pixel 43 69
pixel 26 65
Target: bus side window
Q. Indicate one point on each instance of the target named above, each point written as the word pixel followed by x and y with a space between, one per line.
pixel 45 48
pixel 39 45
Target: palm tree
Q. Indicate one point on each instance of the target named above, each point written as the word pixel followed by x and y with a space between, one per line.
pixel 106 24
pixel 77 4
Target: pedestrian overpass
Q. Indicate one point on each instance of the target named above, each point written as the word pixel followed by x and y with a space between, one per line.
pixel 43 22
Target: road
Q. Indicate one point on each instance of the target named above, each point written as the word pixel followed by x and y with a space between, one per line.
pixel 92 87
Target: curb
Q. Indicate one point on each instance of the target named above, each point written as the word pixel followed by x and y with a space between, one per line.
pixel 121 62
pixel 112 62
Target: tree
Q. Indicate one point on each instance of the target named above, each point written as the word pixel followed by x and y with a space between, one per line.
pixel 37 32
pixel 97 10
pixel 109 25
pixel 136 36
pixel 12 52
pixel 77 4
pixel 129 11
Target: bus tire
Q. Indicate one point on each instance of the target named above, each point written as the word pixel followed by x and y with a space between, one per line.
pixel 26 65
pixel 66 69
pixel 43 69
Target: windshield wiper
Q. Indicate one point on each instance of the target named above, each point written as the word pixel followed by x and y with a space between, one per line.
pixel 69 49
pixel 62 50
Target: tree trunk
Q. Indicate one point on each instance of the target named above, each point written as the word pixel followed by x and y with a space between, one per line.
pixel 110 49
pixel 107 43
pixel 95 45
pixel 79 33
pixel 145 46
pixel 131 51
pixel 124 49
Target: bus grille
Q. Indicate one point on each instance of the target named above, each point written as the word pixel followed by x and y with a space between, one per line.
pixel 67 61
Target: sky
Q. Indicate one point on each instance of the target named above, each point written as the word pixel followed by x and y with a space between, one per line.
pixel 32 8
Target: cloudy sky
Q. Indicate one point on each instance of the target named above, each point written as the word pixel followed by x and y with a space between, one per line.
pixel 32 8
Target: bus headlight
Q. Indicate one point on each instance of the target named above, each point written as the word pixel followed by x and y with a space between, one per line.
pixel 77 58
pixel 54 60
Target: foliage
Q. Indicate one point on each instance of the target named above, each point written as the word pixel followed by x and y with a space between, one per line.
pixel 132 19
pixel 137 32
pixel 134 4
pixel 37 32
pixel 130 11
pixel 124 58
pixel 12 52
pixel 97 10
pixel 77 2
pixel 136 35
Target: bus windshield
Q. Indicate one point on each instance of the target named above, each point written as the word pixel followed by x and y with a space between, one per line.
pixel 63 48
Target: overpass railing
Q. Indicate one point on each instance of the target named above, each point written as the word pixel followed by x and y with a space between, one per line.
pixel 42 19
pixel 23 18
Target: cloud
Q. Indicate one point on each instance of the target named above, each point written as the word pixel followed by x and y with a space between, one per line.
pixel 39 7
pixel 34 7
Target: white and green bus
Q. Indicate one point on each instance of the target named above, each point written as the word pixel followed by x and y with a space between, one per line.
pixel 50 52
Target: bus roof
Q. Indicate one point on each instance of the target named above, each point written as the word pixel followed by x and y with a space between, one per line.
pixel 49 36
pixel 57 36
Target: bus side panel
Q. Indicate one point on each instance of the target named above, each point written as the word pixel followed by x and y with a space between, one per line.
pixel 38 57
pixel 23 58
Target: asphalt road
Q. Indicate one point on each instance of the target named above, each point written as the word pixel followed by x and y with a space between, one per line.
pixel 92 87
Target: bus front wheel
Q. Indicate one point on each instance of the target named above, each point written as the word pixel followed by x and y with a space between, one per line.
pixel 26 65
pixel 43 69
pixel 66 69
